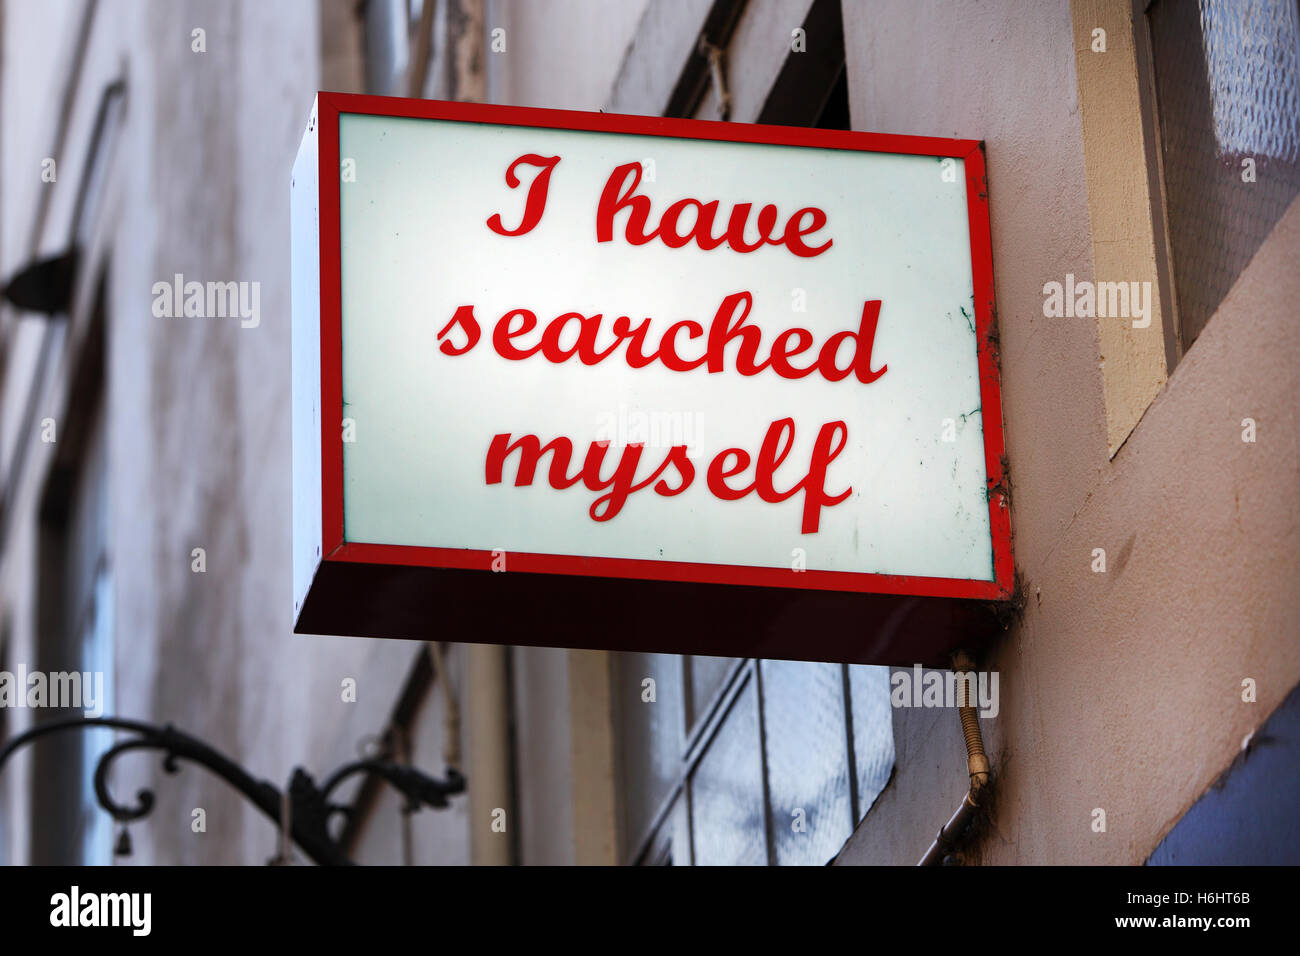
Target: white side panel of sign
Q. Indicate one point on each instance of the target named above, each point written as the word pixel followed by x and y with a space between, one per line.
pixel 304 215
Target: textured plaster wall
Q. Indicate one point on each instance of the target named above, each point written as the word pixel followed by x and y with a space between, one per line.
pixel 1122 690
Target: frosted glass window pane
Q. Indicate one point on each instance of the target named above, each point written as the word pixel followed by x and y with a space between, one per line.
pixel 727 792
pixel 873 731
pixel 806 741
pixel 1227 82
pixel 708 674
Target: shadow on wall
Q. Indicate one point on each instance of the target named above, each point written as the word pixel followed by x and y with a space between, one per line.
pixel 1248 816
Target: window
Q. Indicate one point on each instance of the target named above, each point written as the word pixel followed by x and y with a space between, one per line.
pixel 77 636
pixel 89 590
pixel 76 617
pixel 1226 81
pixel 747 761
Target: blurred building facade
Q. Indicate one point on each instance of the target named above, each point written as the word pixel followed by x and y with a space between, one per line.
pixel 145 460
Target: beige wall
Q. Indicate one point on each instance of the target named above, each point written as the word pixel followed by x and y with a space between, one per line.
pixel 1119 690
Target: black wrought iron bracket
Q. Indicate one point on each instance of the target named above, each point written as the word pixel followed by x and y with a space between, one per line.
pixel 310 809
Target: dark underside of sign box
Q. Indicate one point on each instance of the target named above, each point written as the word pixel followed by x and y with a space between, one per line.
pixel 551 610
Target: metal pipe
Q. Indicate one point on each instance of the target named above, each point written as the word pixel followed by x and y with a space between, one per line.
pixel 977 764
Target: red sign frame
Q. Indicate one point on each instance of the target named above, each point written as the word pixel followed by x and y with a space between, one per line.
pixel 334 551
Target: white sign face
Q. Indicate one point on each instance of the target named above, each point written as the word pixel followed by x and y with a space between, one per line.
pixel 803 395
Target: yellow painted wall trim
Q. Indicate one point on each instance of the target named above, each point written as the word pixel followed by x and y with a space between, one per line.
pixel 1132 359
pixel 595 833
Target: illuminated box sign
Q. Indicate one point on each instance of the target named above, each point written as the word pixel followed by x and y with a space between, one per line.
pixel 549 359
